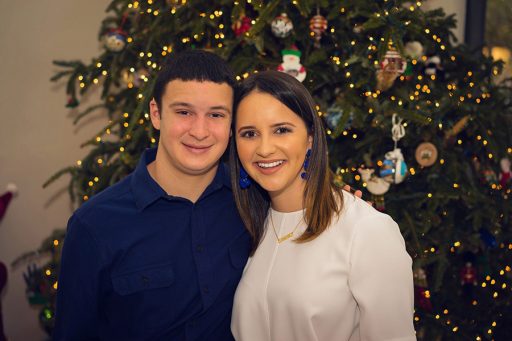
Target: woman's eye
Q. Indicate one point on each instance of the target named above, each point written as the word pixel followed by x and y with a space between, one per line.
pixel 283 130
pixel 248 134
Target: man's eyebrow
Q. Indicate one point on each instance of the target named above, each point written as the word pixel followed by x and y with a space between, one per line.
pixel 221 107
pixel 188 105
pixel 180 104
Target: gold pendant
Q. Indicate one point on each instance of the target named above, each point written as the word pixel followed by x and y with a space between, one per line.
pixel 285 237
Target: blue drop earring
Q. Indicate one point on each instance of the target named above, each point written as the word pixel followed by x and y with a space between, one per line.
pixel 304 174
pixel 244 180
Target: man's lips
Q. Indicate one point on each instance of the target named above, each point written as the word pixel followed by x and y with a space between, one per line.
pixel 196 148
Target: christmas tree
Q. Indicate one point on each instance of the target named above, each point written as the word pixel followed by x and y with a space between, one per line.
pixel 413 118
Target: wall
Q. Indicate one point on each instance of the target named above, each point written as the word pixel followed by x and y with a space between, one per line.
pixel 457 7
pixel 37 136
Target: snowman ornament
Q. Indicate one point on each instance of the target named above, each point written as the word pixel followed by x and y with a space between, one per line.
pixel 291 64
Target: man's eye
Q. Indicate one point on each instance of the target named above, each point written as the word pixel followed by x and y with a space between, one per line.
pixel 182 112
pixel 217 115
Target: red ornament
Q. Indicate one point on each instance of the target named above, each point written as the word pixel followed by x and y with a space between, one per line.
pixel 242 25
pixel 318 25
pixel 505 174
pixel 422 298
pixel 468 274
pixel 72 102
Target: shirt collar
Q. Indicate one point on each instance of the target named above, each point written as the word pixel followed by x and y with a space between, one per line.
pixel 144 187
pixel 146 190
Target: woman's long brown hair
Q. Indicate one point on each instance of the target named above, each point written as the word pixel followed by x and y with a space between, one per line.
pixel 322 198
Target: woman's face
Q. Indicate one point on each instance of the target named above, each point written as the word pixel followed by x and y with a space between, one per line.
pixel 272 142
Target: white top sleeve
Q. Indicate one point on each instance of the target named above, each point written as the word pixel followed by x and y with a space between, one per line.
pixel 352 283
pixel 381 280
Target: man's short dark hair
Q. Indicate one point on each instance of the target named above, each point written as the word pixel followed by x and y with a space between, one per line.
pixel 192 65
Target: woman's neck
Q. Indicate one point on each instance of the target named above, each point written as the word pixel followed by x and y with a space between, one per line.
pixel 290 199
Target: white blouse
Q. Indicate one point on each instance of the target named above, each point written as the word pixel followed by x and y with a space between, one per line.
pixel 353 282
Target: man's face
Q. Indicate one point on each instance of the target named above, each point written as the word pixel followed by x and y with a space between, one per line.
pixel 194 123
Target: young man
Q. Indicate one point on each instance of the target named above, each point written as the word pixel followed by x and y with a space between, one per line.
pixel 158 256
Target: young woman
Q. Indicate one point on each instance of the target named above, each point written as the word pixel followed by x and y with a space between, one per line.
pixel 325 265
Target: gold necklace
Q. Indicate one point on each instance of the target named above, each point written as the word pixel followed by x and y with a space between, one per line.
pixel 286 236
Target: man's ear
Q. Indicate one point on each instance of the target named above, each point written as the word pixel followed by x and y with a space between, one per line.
pixel 154 113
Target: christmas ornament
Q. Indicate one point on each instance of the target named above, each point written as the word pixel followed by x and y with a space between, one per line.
pixel 115 40
pixel 408 73
pixel 47 318
pixel 394 168
pixel 489 176
pixel 421 293
pixel 393 61
pixel 5 199
pixel 426 154
pixel 72 102
pixel 281 26
pixel 433 66
pixel 413 50
pixel 291 64
pixel 318 25
pixel 392 66
pixel 128 77
pixel 468 274
pixel 488 238
pixel 374 184
pixel 505 172
pixel 337 119
pixel 241 25
pixel 358 28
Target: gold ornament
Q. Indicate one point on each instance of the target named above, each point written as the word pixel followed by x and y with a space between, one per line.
pixel 426 154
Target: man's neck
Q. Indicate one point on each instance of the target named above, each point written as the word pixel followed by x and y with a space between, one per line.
pixel 178 184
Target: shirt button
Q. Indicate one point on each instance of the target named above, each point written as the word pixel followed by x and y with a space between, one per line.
pixel 199 248
pixel 206 290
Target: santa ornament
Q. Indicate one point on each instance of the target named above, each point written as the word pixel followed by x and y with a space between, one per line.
pixel 391 67
pixel 281 26
pixel 291 64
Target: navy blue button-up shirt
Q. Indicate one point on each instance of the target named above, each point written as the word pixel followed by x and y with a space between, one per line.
pixel 139 264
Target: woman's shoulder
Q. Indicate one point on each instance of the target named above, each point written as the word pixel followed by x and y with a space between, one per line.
pixel 358 216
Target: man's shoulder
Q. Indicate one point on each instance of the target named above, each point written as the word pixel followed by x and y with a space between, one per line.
pixel 111 199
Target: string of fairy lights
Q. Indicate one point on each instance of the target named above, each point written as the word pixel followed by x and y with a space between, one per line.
pixel 421 98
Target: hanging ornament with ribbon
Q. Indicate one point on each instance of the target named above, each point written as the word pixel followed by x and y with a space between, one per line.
pixel 115 39
pixel 281 26
pixel 318 25
pixel 394 169
pixel 390 68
